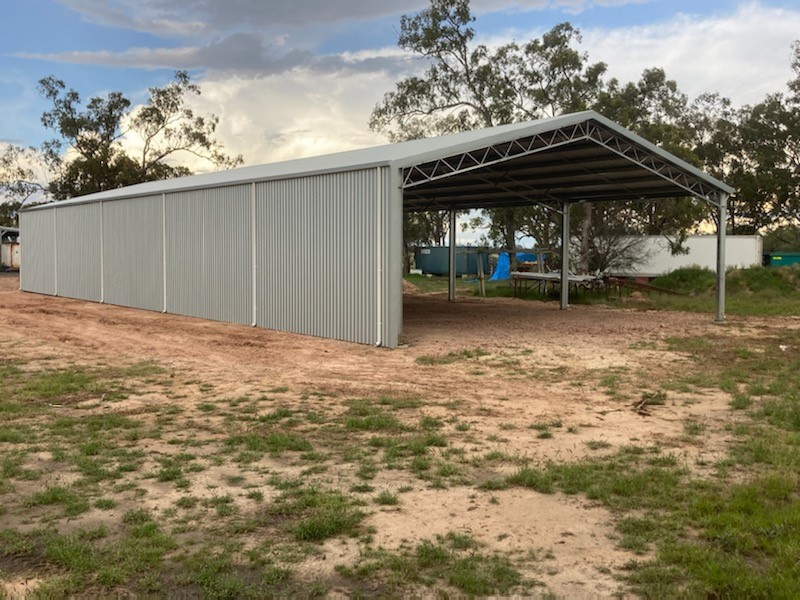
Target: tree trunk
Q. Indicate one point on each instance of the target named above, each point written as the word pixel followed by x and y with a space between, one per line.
pixel 406 258
pixel 586 231
pixel 510 233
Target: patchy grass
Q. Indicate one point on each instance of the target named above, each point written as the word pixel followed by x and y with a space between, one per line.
pixel 451 357
pixel 73 503
pixel 454 560
pixel 751 291
pixel 273 442
pixel 318 514
pixel 714 537
pixel 387 498
pixel 255 484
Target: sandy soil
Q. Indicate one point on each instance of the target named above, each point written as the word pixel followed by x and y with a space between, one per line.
pixel 578 370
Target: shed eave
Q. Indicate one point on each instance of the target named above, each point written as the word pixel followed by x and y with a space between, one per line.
pixel 156 188
pixel 404 155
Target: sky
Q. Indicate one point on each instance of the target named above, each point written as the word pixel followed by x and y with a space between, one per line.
pixel 300 77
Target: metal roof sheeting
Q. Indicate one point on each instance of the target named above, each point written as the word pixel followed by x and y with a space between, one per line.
pixel 551 173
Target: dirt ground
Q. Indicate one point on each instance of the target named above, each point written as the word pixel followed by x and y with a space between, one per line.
pixel 530 366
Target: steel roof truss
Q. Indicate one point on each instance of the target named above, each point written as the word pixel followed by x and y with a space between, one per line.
pixel 484 158
pixel 491 155
pixel 609 140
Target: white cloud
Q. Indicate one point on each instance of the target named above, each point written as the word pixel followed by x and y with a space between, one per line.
pixel 298 105
pixel 293 115
pixel 137 15
pixel 190 17
pixel 304 111
pixel 237 53
pixel 569 6
pixel 743 55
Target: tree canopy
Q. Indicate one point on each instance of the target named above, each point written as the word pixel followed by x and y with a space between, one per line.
pixel 108 143
pixel 466 85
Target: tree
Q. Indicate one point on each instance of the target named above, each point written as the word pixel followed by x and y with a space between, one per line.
pixel 9 213
pixel 19 182
pixel 783 239
pixel 90 152
pixel 763 170
pixel 778 153
pixel 466 87
pixel 423 228
pixel 756 149
pixel 459 90
pixel 18 173
pixel 655 108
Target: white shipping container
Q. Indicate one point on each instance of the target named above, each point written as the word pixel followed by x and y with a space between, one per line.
pixel 656 258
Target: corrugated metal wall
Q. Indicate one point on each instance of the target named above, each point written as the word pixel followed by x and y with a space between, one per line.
pixel 209 254
pixel 318 255
pixel 79 248
pixel 133 253
pixel 392 288
pixel 38 269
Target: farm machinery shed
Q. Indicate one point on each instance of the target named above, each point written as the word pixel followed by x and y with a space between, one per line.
pixel 267 245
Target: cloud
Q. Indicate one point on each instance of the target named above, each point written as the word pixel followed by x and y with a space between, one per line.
pixel 258 36
pixel 309 110
pixel 568 6
pixel 292 115
pixel 137 15
pixel 242 53
pixel 281 102
pixel 190 17
pixel 169 17
pixel 743 55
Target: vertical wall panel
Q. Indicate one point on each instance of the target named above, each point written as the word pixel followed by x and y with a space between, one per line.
pixel 327 248
pixel 317 255
pixel 133 253
pixel 392 222
pixel 209 248
pixel 38 269
pixel 78 243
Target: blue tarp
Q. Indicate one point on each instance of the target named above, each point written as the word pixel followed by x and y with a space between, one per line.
pixel 503 269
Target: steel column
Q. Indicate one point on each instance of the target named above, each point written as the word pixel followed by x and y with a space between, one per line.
pixel 565 255
pixel 722 216
pixel 452 256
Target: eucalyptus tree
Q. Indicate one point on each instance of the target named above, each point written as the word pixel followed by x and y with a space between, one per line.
pixel 109 143
pixel 755 148
pixel 467 85
pixel 20 181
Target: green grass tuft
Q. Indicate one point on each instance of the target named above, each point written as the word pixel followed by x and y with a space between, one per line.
pixel 275 443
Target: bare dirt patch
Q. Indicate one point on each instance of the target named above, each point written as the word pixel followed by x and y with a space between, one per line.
pixel 507 381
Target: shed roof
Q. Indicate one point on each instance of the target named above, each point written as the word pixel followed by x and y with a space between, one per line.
pixel 580 156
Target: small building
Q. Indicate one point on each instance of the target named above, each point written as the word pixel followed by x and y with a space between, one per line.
pixel 9 248
pixel 435 260
pixel 655 257
pixel 781 259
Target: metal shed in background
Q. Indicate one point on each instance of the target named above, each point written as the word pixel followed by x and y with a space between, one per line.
pixel 314 246
pixel 9 248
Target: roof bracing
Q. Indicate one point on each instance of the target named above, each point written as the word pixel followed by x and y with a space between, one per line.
pixel 555 163
pixel 590 160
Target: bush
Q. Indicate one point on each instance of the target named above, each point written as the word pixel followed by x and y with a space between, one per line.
pixel 758 281
pixel 688 280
